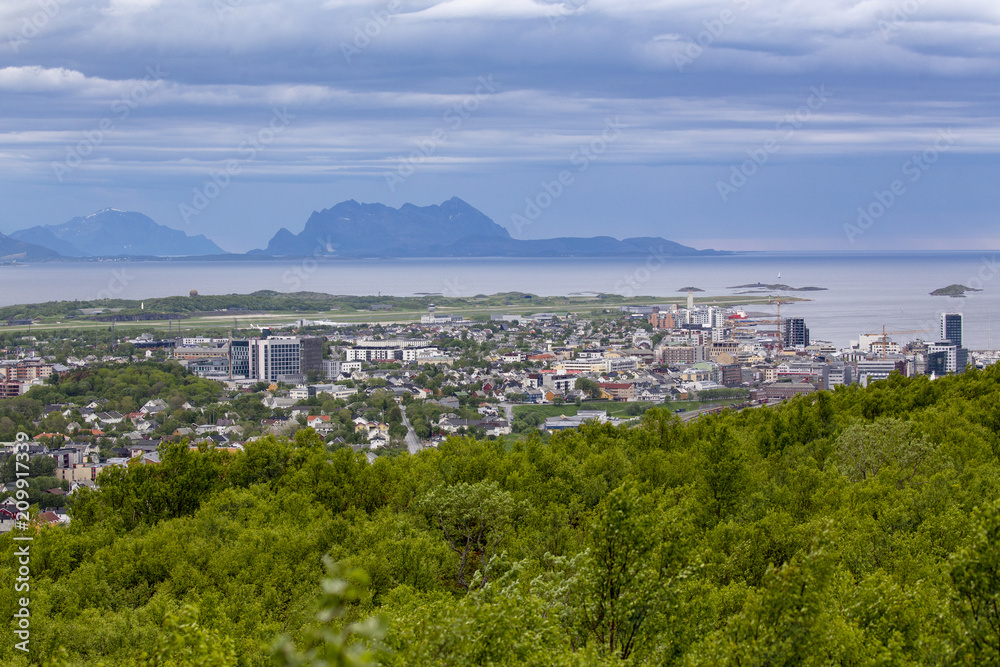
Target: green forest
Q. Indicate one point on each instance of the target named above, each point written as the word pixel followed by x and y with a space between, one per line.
pixel 853 527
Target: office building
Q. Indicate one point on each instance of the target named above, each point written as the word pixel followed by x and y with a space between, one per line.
pixel 951 328
pixel 273 357
pixel 879 369
pixel 311 354
pixel 239 358
pixel 942 357
pixel 730 375
pixel 796 334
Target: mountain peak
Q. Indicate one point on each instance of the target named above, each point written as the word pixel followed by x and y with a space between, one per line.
pixel 375 230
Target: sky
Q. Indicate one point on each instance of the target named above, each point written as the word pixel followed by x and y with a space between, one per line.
pixel 731 124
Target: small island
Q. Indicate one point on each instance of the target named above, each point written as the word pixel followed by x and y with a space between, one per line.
pixel 955 290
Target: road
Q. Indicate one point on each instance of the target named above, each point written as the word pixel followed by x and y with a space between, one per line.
pixel 508 411
pixel 413 443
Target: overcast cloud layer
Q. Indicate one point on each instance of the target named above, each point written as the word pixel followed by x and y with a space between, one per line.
pixel 741 124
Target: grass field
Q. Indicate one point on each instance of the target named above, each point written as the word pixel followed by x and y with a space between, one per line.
pixel 197 322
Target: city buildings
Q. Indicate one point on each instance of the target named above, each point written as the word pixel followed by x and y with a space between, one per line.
pixel 277 356
pixel 795 332
pixel 951 328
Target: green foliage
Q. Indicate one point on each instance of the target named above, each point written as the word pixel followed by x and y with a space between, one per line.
pixel 975 571
pixel 623 586
pixel 865 449
pixel 473 518
pixel 141 493
pixel 126 386
pixel 590 386
pixel 336 642
pixel 858 526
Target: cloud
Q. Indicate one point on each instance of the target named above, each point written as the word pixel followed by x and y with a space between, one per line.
pixel 492 10
pixel 127 7
pixel 562 67
pixel 34 79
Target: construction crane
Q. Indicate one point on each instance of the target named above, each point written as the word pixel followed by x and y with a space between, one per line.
pixel 885 336
pixel 753 323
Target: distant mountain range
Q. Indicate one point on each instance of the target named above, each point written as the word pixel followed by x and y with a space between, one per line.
pixel 12 249
pixel 349 230
pixel 453 229
pixel 114 233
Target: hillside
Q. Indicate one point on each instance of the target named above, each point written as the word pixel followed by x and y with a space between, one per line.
pixel 12 249
pixel 854 527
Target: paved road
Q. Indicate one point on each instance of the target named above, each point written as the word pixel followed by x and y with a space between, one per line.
pixel 413 443
pixel 508 411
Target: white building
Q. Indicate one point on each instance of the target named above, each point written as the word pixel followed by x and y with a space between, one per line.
pixel 875 369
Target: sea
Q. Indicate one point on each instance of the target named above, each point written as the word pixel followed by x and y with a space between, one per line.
pixel 863 291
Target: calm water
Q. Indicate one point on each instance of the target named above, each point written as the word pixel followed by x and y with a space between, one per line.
pixel 864 291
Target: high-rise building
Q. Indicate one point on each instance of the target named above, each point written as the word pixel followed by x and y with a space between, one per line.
pixel 276 356
pixel 239 358
pixel 311 354
pixel 951 328
pixel 796 333
pixel 271 357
